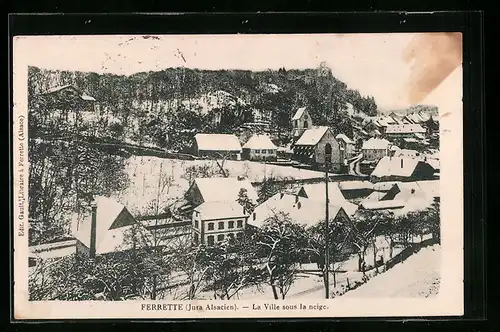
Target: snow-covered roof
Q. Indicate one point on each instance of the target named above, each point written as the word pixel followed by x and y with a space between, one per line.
pixel 260 142
pixel 224 189
pixel 382 205
pixel 113 221
pixel 404 129
pixel 301 210
pixel 220 210
pixel 355 185
pixel 217 142
pixel 317 192
pixel 312 136
pixel 344 138
pixel 430 188
pixel 74 91
pixel 376 144
pixel 299 113
pixel 396 166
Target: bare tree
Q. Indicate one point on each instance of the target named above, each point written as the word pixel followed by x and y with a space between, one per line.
pixel 282 245
pixel 231 267
pixel 340 239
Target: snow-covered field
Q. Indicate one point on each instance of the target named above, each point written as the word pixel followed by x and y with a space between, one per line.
pixel 144 174
pixel 418 276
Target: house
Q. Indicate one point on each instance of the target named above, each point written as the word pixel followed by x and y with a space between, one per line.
pixel 373 128
pixel 346 146
pixel 66 103
pixel 104 228
pixel 317 192
pixel 260 147
pixel 404 130
pixel 404 197
pixel 285 152
pixel 217 146
pixel 216 189
pixel 301 210
pixel 301 121
pixel 402 169
pixel 218 221
pixel 375 149
pixel 310 148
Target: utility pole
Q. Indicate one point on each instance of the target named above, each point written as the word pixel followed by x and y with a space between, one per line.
pixel 328 156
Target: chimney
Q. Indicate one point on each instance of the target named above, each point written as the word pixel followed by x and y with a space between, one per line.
pixel 296 199
pixel 401 162
pixel 299 205
pixel 281 195
pixel 93 230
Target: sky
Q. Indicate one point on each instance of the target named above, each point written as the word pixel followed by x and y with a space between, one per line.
pixel 398 69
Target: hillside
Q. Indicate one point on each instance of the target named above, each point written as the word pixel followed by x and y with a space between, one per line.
pixel 418 276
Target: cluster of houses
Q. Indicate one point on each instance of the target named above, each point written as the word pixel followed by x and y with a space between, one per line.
pixel 402 180
pixel 308 145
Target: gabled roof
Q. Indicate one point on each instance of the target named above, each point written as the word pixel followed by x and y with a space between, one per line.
pixel 113 221
pixel 404 129
pixel 220 210
pixel 312 136
pixel 224 189
pixel 217 142
pixel 396 166
pixel 301 210
pixel 299 113
pixel 317 192
pixel 376 144
pixel 428 188
pixel 260 142
pixel 344 138
pixel 70 89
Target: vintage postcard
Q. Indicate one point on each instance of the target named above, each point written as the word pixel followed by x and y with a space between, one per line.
pixel 238 176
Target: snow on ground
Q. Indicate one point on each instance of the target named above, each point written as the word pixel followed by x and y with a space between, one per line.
pixel 144 175
pixel 418 276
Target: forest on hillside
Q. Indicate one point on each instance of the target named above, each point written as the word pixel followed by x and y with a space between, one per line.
pixel 164 108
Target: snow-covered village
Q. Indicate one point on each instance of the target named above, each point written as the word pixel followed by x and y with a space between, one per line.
pixel 187 184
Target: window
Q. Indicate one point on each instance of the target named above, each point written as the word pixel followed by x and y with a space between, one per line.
pixel 196 225
pixel 210 226
pixel 257 151
pixel 270 151
pixel 264 151
pixel 220 237
pixel 230 236
pixel 210 240
pixel 240 223
pixel 239 236
pixel 254 216
pixel 221 225
pixel 296 123
pixel 196 238
pixel 305 124
pixel 230 224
